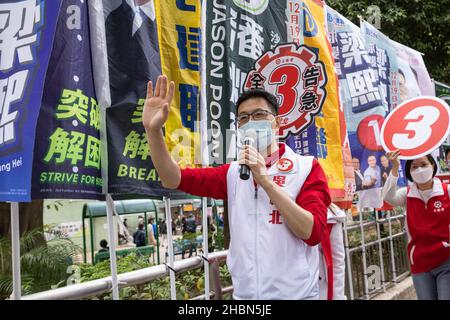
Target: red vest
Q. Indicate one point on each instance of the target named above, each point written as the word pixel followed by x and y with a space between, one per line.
pixel 428 226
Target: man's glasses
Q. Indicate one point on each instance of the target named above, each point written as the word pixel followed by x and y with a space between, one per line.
pixel 256 115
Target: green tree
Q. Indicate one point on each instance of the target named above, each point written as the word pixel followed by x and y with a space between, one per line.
pixel 423 25
pixel 43 264
pixel 31 217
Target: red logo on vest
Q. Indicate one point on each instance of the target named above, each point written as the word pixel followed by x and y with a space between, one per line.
pixel 285 165
pixel 438 207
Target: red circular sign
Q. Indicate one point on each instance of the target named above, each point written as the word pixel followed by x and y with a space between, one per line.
pixel 296 76
pixel 416 127
pixel 285 165
pixel 369 132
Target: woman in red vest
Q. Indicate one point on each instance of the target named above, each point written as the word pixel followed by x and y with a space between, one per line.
pixel 428 223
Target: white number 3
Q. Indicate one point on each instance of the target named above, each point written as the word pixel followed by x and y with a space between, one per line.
pixel 421 120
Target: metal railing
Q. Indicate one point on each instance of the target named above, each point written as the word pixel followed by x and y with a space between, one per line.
pixel 372 265
pixel 375 265
pixel 104 285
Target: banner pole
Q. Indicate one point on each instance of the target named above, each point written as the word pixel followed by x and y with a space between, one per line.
pixel 205 245
pixel 204 149
pixel 112 246
pixel 15 241
pixel 173 292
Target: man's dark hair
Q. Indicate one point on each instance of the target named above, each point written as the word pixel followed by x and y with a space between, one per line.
pixel 409 163
pixel 259 93
pixel 103 243
pixel 140 226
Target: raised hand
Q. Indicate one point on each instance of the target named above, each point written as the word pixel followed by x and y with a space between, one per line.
pixel 393 158
pixel 157 103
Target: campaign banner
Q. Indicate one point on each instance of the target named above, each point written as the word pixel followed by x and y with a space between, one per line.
pixel 383 59
pixel 364 105
pixel 67 155
pixel 179 36
pixel 330 122
pixel 359 94
pixel 282 47
pixel 237 34
pixel 126 56
pixel 414 79
pixel 26 36
pixel 407 77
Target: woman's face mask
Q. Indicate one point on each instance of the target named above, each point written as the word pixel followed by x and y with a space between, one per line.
pixel 422 175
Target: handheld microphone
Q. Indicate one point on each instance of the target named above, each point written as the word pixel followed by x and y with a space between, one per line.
pixel 244 172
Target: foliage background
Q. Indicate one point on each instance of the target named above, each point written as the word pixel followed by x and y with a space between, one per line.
pixel 423 25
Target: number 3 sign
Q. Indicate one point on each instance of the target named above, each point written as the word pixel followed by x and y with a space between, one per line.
pixel 416 127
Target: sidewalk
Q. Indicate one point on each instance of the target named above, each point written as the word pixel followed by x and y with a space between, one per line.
pixel 402 291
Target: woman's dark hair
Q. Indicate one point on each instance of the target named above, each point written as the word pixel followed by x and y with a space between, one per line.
pixel 259 93
pixel 446 153
pixel 409 163
pixel 103 243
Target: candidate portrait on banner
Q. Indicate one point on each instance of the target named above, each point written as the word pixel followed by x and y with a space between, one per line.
pixel 133 52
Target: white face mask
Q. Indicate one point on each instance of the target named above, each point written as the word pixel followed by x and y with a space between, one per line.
pixel 422 175
pixel 260 132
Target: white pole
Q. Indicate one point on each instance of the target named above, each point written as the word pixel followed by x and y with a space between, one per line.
pixel 391 244
pixel 349 262
pixel 173 292
pixel 15 241
pixel 112 246
pixel 204 148
pixel 380 251
pixel 205 245
pixel 364 258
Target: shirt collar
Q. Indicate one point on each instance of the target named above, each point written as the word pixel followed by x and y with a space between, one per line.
pixel 437 190
pixel 148 8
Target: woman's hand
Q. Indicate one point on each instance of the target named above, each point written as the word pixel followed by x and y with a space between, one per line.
pixel 393 158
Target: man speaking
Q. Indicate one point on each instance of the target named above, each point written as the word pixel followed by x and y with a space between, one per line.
pixel 277 216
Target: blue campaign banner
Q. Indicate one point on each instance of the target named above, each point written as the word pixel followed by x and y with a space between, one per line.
pixel 26 40
pixel 383 59
pixel 67 155
pixel 368 90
